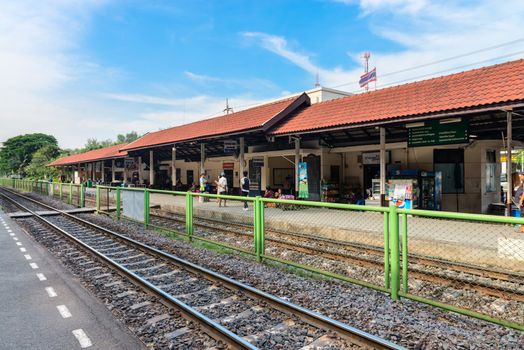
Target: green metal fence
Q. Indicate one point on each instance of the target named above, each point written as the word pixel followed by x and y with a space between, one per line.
pixel 68 192
pixel 466 263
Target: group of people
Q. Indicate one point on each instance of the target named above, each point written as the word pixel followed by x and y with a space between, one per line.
pixel 222 187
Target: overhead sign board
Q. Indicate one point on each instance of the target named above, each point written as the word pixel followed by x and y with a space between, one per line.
pixel 437 133
pixel 370 158
pixel 230 146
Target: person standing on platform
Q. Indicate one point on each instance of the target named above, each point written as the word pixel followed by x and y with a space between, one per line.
pixel 221 188
pixel 244 182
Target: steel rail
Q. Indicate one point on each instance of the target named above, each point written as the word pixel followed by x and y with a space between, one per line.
pixel 434 277
pixel 215 330
pixel 345 331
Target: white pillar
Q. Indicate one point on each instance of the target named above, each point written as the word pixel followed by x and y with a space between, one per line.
pixel 173 166
pixel 125 172
pixel 151 169
pixel 509 136
pixel 102 170
pixel 297 160
pixel 113 168
pixel 202 157
pixel 140 179
pixel 382 165
pixel 241 158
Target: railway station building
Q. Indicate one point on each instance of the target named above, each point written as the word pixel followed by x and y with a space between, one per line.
pixel 437 142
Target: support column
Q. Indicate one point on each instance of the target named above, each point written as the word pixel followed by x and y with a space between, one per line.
pixel 202 157
pixel 140 179
pixel 93 172
pixel 125 171
pixel 113 168
pixel 173 167
pixel 509 137
pixel 382 166
pixel 103 171
pixel 151 169
pixel 297 160
pixel 241 159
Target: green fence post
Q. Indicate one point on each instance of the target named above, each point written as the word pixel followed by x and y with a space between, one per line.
pixel 395 258
pixel 60 186
pixel 386 249
pixel 82 196
pixel 404 233
pixel 261 230
pixel 146 207
pixel 97 199
pixel 189 215
pixel 256 223
pixel 118 203
pixel 70 193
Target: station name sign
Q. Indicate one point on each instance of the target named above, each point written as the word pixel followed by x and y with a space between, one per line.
pixel 436 132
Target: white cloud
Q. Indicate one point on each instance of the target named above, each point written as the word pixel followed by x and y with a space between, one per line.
pixel 425 31
pixel 248 84
pixel 280 46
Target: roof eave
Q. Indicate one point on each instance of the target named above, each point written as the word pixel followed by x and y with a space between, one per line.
pixel 417 117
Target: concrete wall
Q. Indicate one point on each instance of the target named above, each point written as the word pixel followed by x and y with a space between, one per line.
pixel 475 198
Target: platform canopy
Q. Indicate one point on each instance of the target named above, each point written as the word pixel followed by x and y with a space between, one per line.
pixel 106 153
pixel 252 124
pixel 482 95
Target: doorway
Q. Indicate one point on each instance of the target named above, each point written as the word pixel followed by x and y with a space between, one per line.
pixel 229 177
pixel 371 171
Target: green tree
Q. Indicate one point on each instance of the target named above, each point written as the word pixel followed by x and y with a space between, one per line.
pixel 127 138
pixel 17 152
pixel 93 144
pixel 38 168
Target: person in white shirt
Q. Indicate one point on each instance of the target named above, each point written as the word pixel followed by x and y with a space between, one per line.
pixel 221 188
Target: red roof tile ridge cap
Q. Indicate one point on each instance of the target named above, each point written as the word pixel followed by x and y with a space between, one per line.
pixel 217 117
pixel 361 94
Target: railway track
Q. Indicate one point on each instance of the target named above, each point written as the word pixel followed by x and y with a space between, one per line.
pixel 492 282
pixel 237 314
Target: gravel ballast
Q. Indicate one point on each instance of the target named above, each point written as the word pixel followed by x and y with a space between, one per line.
pixel 411 324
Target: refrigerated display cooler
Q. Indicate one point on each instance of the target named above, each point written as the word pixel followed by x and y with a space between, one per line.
pixel 403 188
pixel 431 190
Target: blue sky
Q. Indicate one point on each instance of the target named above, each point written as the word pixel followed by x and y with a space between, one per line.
pixel 96 68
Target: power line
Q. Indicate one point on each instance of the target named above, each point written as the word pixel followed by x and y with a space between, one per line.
pixel 489 48
pixel 451 69
pixel 413 68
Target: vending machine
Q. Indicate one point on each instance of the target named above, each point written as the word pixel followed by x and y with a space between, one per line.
pixel 403 188
pixel 431 190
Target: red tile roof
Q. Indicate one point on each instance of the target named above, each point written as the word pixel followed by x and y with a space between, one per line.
pixel 259 117
pixel 110 152
pixel 479 87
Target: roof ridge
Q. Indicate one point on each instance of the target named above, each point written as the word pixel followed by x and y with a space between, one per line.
pixel 417 82
pixel 226 115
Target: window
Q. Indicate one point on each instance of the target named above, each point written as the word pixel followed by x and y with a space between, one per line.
pixel 451 163
pixel 491 168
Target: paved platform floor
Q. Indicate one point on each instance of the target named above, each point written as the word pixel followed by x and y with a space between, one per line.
pixel 42 306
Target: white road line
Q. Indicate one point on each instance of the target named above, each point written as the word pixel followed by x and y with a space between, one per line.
pixel 82 338
pixel 22 250
pixel 12 234
pixel 41 276
pixel 9 231
pixel 34 266
pixel 16 239
pixel 51 292
pixel 64 311
pixel 27 256
pixel 18 243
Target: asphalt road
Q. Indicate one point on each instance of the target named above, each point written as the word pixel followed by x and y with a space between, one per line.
pixel 43 307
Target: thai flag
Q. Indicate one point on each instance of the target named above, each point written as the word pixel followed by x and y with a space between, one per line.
pixel 368 77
